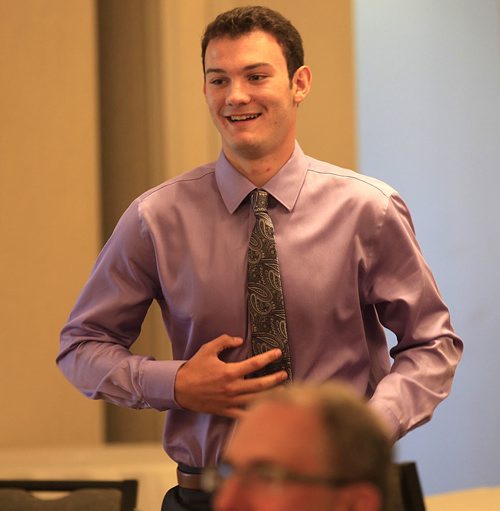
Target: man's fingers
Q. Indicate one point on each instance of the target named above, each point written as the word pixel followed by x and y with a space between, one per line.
pixel 219 344
pixel 234 413
pixel 252 364
pixel 252 386
pixel 238 407
pixel 239 403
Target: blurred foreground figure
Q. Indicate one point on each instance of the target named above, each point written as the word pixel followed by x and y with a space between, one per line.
pixel 305 448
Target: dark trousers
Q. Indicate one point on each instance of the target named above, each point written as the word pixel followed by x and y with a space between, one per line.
pixel 181 499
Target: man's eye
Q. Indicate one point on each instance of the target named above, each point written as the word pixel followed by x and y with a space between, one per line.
pixel 265 476
pixel 256 78
pixel 217 81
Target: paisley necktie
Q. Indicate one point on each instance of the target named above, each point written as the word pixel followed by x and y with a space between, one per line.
pixel 265 295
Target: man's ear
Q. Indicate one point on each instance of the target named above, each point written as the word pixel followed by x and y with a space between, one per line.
pixel 360 497
pixel 301 84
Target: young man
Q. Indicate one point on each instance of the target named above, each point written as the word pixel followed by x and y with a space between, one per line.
pixel 305 447
pixel 240 320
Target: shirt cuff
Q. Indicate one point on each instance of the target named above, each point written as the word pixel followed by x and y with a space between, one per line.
pixel 158 383
pixel 388 418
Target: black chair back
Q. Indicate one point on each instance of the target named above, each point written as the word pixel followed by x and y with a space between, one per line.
pixel 408 493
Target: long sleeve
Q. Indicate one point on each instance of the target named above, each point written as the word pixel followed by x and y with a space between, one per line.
pixel 407 301
pixel 107 319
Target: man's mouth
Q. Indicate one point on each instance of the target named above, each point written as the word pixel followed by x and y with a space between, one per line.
pixel 242 117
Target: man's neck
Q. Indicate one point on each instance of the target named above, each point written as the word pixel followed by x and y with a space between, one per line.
pixel 260 170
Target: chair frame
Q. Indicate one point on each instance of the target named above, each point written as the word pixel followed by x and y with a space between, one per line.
pixel 127 487
pixel 411 494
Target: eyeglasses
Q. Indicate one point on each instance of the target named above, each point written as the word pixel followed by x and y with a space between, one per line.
pixel 264 475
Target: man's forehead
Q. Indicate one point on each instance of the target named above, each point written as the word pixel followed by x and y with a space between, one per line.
pixel 282 434
pixel 249 67
pixel 276 426
pixel 254 41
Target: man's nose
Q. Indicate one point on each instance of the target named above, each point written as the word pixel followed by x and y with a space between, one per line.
pixel 237 94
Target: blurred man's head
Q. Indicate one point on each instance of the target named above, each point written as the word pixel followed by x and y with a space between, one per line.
pixel 306 447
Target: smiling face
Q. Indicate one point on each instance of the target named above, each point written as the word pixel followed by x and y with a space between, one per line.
pixel 251 99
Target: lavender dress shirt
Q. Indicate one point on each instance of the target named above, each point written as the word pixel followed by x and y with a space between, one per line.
pixel 350 265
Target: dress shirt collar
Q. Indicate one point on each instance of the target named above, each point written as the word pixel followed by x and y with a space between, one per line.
pixel 284 186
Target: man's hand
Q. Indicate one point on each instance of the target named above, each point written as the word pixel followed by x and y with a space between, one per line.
pixel 206 384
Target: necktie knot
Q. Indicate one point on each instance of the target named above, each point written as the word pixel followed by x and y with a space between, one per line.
pixel 259 199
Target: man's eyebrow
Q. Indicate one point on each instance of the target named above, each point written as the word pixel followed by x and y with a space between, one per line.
pixel 214 70
pixel 246 68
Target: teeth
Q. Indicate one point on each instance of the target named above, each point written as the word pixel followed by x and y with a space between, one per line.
pixel 243 117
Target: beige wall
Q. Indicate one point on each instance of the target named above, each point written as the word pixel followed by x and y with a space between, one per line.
pixel 48 212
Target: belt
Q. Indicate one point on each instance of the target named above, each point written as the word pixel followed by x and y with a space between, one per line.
pixel 189 481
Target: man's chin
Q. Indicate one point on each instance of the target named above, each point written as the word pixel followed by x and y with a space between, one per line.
pixel 247 149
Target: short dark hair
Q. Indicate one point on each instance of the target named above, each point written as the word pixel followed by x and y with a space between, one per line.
pixel 242 20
